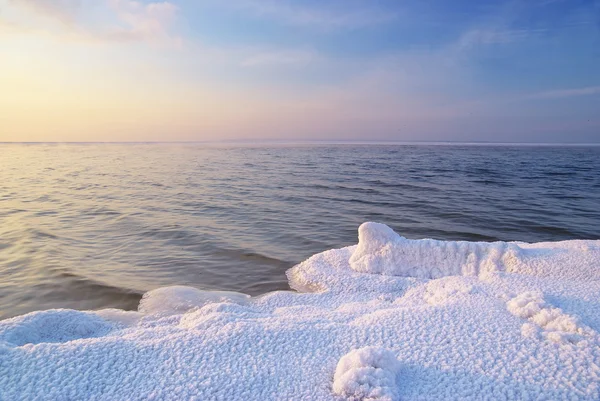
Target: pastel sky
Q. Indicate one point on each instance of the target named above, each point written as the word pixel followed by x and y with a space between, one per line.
pixel 355 70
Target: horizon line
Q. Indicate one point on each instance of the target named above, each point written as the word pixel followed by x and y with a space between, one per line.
pixel 308 142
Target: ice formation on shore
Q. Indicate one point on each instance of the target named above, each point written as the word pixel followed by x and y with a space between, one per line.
pixel 381 251
pixel 387 319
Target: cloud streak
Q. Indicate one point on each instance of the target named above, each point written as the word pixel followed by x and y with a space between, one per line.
pixel 143 22
pixel 65 11
pixel 288 58
pixel 128 20
pixel 289 13
pixel 484 37
pixel 566 93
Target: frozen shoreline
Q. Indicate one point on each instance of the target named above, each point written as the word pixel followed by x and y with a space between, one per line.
pixel 440 320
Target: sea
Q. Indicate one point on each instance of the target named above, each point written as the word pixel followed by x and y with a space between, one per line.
pixel 94 226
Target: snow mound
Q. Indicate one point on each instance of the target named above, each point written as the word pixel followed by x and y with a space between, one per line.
pixel 384 255
pixel 381 251
pixel 368 374
pixel 449 289
pixel 179 299
pixel 220 312
pixel 52 326
pixel 556 326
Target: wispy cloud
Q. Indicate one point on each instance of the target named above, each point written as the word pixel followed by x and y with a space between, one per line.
pixel 511 101
pixel 127 20
pixel 65 11
pixel 143 21
pixel 476 37
pixel 280 58
pixel 289 13
pixel 565 93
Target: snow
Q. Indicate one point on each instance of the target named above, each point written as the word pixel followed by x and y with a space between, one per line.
pixel 368 374
pixel 52 326
pixel 387 319
pixel 181 299
pixel 553 322
pixel 382 251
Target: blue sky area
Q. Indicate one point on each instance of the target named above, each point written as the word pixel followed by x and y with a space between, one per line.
pixel 525 71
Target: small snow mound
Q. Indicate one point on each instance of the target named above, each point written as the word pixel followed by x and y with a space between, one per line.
pixel 526 305
pixel 556 325
pixel 367 374
pixel 373 235
pixel 208 314
pixel 180 299
pixel 52 326
pixel 445 290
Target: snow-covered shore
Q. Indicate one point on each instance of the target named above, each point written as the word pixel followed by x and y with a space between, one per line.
pixel 387 319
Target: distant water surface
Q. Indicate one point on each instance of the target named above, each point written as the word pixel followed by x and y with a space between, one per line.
pixel 90 226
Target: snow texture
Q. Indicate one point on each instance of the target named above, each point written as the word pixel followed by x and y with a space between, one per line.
pixel 387 319
pixel 554 323
pixel 52 326
pixel 368 374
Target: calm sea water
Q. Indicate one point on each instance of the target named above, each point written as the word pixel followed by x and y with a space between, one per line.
pixel 96 225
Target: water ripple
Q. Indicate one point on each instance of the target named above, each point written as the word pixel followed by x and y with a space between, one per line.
pixel 95 226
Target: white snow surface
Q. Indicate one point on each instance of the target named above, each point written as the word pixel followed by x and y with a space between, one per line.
pixel 387 319
pixel 368 374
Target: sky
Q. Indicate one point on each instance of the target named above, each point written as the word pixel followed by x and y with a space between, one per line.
pixel 328 70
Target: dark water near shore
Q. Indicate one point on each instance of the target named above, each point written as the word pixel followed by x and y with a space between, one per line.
pixel 96 225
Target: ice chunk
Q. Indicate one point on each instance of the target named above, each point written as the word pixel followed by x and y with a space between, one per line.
pixel 368 374
pixel 180 299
